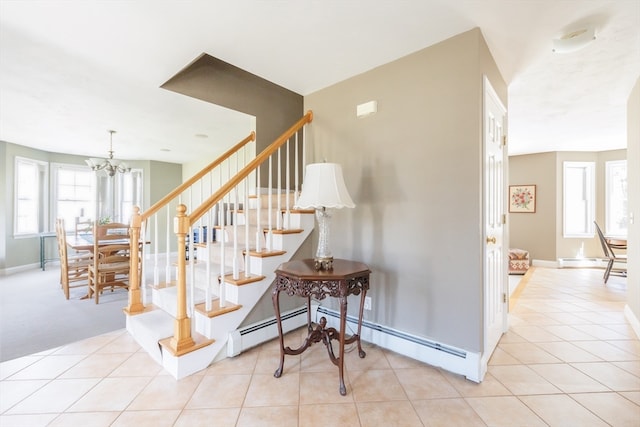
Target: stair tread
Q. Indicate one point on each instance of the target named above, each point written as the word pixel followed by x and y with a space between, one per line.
pixel 242 280
pixel 265 253
pixel 216 310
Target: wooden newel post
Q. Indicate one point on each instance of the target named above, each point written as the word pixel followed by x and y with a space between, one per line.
pixel 135 303
pixel 181 339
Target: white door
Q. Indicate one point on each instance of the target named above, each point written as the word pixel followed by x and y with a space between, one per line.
pixel 495 254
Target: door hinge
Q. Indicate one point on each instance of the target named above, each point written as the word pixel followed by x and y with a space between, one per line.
pixel 504 140
pixel 504 219
pixel 504 298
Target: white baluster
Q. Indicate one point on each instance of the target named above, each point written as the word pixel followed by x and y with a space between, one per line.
pixel 207 292
pixel 247 212
pixel 287 218
pixel 259 231
pixel 297 179
pixel 269 207
pixel 236 261
pixel 156 252
pixel 279 192
pixel 223 238
pixel 169 233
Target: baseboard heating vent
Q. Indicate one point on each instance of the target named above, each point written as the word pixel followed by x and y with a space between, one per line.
pixel 257 333
pixel 258 326
pixel 580 263
pixel 393 333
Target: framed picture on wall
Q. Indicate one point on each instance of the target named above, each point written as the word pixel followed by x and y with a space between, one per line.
pixel 522 198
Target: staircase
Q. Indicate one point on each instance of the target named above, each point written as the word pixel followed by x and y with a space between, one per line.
pixel 211 264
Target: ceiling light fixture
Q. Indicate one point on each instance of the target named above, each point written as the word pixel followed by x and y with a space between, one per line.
pixel 574 41
pixel 110 166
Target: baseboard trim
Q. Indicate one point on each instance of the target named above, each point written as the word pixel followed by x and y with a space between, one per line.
pixel 633 320
pixel 581 263
pixel 544 263
pixel 20 268
pixel 432 352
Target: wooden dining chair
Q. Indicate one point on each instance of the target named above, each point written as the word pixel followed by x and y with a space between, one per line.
pixel 611 257
pixel 74 268
pixel 110 268
pixel 83 226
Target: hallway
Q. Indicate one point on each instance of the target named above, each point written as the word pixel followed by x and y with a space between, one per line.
pixel 569 359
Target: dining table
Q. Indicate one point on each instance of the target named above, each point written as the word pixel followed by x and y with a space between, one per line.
pixel 84 242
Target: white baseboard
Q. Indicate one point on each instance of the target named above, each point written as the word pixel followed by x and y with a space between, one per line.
pixel 544 263
pixel 434 353
pixel 20 268
pixel 437 354
pixel 581 263
pixel 633 320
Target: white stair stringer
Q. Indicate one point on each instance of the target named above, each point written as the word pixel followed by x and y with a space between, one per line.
pixel 150 327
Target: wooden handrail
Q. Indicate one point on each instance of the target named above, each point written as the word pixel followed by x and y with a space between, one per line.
pixel 257 161
pixel 182 187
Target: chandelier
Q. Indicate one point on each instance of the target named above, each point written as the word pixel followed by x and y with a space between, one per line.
pixel 110 166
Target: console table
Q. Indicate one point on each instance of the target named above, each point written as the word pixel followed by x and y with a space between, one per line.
pixel 43 248
pixel 300 278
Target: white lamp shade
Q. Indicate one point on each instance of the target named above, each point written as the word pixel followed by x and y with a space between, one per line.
pixel 324 188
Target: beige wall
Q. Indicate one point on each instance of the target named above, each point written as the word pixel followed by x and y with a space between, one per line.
pixel 414 170
pixel 535 232
pixel 541 233
pixel 213 80
pixel 633 177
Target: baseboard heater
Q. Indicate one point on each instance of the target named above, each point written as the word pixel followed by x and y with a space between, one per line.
pixel 434 353
pixel 257 333
pixel 394 333
pixel 581 263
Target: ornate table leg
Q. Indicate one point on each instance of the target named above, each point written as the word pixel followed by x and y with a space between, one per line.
pixel 343 321
pixel 276 306
pixel 361 352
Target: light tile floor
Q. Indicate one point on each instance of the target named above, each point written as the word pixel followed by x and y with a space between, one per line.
pixel 569 359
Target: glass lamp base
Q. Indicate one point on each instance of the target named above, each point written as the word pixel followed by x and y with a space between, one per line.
pixel 324 257
pixel 323 263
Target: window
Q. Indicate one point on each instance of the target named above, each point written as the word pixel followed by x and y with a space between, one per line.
pixel 118 194
pixel 30 194
pixel 616 220
pixel 73 191
pixel 579 199
pixel 130 194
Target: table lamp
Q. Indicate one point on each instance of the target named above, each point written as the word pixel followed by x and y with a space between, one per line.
pixel 323 190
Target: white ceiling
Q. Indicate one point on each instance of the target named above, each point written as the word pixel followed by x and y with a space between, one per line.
pixel 72 69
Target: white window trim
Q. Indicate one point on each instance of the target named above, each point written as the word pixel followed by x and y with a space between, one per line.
pixel 54 187
pixel 43 206
pixel 608 166
pixel 590 232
